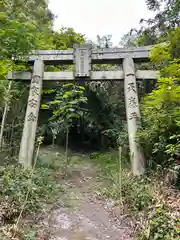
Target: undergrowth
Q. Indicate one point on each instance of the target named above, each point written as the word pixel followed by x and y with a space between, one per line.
pixel 155 220
pixel 15 182
pixel 161 224
pixel 136 192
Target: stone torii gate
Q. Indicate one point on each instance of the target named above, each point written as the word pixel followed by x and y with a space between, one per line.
pixel 82 56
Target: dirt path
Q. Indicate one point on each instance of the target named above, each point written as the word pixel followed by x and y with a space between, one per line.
pixel 85 215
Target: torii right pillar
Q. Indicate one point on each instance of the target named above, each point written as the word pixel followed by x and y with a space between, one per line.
pixel 133 116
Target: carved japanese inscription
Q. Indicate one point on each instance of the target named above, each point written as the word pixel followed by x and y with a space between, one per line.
pixel 132 102
pixel 133 115
pixel 131 87
pixel 35 79
pixel 82 60
pixel 34 91
pixel 31 117
pixel 32 103
pixel 32 111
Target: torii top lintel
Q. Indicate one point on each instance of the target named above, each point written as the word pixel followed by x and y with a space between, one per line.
pixel 98 56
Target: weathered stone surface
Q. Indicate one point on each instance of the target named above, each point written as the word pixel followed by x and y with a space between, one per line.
pixel 82 60
pixel 133 115
pixel 95 76
pixel 112 55
pixel 31 119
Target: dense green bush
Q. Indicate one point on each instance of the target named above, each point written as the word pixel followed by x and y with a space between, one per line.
pixel 15 183
pixel 140 196
pixel 160 225
pixel 161 110
pixel 136 192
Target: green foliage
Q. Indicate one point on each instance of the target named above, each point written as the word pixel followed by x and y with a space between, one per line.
pixel 22 25
pixel 161 225
pixel 66 37
pixel 15 116
pixel 31 235
pixel 155 30
pixel 160 109
pixel 167 14
pixel 103 99
pixel 104 41
pixel 129 39
pixel 136 192
pixel 17 38
pixel 139 197
pixel 15 182
pixel 105 113
pixel 67 103
pixel 66 107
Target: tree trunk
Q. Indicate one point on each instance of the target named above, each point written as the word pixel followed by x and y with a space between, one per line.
pixel 67 141
pixel 5 114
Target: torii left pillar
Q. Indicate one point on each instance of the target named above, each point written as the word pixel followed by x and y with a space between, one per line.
pixel 31 118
